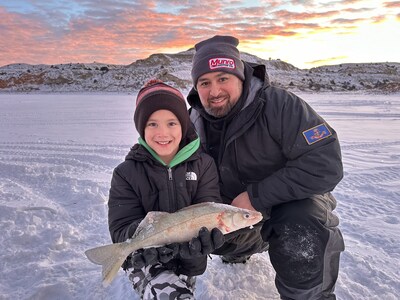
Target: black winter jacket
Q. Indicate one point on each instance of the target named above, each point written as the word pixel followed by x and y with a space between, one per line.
pixel 141 184
pixel 264 150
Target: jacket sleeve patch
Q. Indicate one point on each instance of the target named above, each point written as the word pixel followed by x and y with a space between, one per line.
pixel 316 133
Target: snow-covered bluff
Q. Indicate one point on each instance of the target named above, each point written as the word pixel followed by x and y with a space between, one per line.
pixel 175 69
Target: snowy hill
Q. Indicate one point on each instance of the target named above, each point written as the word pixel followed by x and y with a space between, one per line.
pixel 175 69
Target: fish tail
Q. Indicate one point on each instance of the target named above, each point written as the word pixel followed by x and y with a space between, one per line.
pixel 110 257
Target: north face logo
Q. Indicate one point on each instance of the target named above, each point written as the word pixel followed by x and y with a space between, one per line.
pixel 191 176
pixel 216 63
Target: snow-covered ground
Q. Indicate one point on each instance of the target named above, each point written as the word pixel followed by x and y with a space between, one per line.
pixel 57 153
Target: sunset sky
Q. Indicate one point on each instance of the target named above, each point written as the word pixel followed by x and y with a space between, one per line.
pixel 305 33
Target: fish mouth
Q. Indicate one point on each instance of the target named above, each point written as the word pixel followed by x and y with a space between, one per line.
pixel 255 216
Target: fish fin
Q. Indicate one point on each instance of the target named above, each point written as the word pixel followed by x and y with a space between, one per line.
pixel 151 215
pixel 110 257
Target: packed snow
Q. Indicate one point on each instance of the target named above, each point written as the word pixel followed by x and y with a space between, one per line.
pixel 57 153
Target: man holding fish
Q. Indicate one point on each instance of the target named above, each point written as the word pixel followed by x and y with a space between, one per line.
pixel 275 155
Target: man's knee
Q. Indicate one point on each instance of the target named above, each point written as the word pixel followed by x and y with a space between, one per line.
pixel 304 243
pixel 297 253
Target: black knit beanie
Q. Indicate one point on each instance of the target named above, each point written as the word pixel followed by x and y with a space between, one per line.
pixel 217 54
pixel 156 95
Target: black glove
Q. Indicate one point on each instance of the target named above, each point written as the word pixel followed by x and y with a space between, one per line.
pixel 205 243
pixel 151 256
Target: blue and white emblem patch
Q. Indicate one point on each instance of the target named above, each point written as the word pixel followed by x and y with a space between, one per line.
pixel 316 133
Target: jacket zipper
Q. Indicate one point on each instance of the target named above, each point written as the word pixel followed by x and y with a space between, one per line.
pixel 169 174
pixel 172 190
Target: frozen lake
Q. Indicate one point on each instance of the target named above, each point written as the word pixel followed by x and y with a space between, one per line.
pixel 57 153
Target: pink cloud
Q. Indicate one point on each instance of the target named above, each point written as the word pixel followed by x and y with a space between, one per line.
pixel 120 33
pixel 22 39
pixel 288 15
pixel 347 21
pixel 329 60
pixel 394 4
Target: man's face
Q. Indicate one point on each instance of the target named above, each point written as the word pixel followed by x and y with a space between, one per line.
pixel 219 92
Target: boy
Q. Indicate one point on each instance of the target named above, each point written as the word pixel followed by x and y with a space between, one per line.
pixel 165 171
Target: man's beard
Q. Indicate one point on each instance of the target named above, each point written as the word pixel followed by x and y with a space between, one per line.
pixel 219 112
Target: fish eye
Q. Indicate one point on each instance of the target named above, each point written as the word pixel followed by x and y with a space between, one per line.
pixel 246 216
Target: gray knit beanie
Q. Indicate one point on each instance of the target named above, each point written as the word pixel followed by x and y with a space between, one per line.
pixel 217 54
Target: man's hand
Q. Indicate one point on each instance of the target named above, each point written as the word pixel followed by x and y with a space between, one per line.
pixel 243 201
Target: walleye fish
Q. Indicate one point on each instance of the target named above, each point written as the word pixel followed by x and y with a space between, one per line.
pixel 162 228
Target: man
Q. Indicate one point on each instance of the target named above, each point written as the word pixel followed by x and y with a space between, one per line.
pixel 274 154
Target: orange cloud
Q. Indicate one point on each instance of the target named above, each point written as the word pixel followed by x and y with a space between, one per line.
pixel 379 19
pixel 122 32
pixel 325 61
pixel 23 38
pixel 394 4
pixel 358 10
pixel 347 21
pixel 288 15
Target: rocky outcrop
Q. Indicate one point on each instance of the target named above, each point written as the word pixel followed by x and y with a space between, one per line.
pixel 175 69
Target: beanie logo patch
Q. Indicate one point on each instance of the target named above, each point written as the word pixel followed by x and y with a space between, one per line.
pixel 216 63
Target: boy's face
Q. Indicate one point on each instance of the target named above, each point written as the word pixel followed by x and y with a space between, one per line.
pixel 219 92
pixel 163 133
